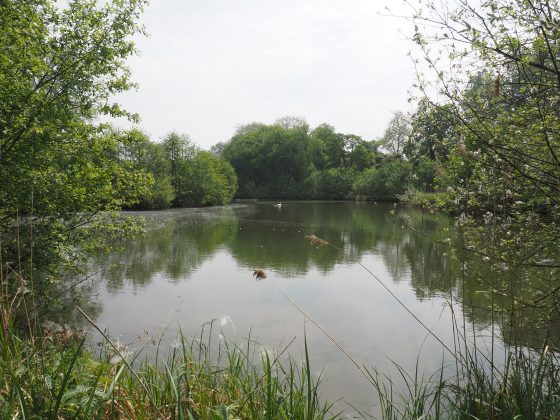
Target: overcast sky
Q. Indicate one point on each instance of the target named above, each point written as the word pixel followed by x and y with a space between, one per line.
pixel 209 66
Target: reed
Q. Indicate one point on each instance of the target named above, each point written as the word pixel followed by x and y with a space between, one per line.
pixel 527 386
pixel 56 376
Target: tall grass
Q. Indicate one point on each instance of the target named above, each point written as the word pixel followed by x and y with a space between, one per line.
pixel 527 386
pixel 57 377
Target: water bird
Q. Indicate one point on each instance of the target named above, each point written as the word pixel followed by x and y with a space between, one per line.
pixel 279 205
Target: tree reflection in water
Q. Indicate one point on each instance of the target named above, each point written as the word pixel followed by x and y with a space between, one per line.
pixel 260 236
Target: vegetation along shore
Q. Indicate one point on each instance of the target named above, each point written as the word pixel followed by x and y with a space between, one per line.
pixel 482 144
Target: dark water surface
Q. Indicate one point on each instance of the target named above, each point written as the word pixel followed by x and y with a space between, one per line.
pixel 195 265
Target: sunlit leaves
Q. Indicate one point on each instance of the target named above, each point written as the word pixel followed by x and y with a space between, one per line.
pixel 60 64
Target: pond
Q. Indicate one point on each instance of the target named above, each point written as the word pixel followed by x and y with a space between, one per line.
pixel 196 265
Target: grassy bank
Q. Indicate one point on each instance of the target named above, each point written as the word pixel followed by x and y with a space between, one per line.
pixel 527 387
pixel 55 376
pixel 440 201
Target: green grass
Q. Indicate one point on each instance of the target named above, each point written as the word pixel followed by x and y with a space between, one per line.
pixel 526 387
pixel 428 200
pixel 56 377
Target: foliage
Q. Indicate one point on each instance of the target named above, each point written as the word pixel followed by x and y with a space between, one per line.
pixel 212 181
pixel 432 132
pixel 507 112
pixel 270 161
pixel 335 184
pixel 427 200
pixel 198 178
pixel 287 160
pixel 388 180
pixel 397 134
pixel 501 111
pixel 56 377
pixel 59 69
pixel 151 159
pixel 328 147
pixel 366 182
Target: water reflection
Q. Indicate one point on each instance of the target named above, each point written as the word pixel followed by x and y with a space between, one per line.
pixel 264 236
pixel 195 265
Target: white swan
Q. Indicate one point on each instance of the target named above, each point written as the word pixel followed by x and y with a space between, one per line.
pixel 279 205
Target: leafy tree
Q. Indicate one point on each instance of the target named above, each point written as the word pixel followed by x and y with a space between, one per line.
pixel 358 154
pixel 287 122
pixel 270 161
pixel 59 68
pixel 243 153
pixel 330 147
pixel 508 113
pixel 286 160
pixel 366 183
pixel 151 159
pixel 198 178
pixel 387 181
pixel 209 181
pixel 336 184
pixel 504 164
pixel 433 132
pixel 180 150
pixel 433 135
pixel 218 149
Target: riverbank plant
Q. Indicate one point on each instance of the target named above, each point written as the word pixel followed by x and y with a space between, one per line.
pixel 472 383
pixel 55 375
pixel 526 387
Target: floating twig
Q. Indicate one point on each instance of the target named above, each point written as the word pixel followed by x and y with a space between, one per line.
pixel 259 275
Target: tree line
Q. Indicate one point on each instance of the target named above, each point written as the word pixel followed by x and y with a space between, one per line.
pixel 488 144
pixel 287 159
pixel 180 173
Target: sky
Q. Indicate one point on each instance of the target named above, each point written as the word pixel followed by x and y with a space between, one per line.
pixel 209 66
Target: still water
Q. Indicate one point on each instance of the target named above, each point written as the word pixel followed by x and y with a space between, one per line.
pixel 196 265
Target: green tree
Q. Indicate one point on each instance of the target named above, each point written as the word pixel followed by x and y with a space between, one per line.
pixel 330 147
pixel 270 161
pixel 508 113
pixel 358 154
pixel 180 150
pixel 336 184
pixel 198 178
pixel 59 68
pixel 210 181
pixel 287 160
pixel 386 181
pixel 432 132
pixel 433 135
pixel 150 158
pixel 504 164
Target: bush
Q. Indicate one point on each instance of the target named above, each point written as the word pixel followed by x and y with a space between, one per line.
pixel 336 184
pixel 205 180
pixel 386 181
pixel 159 196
